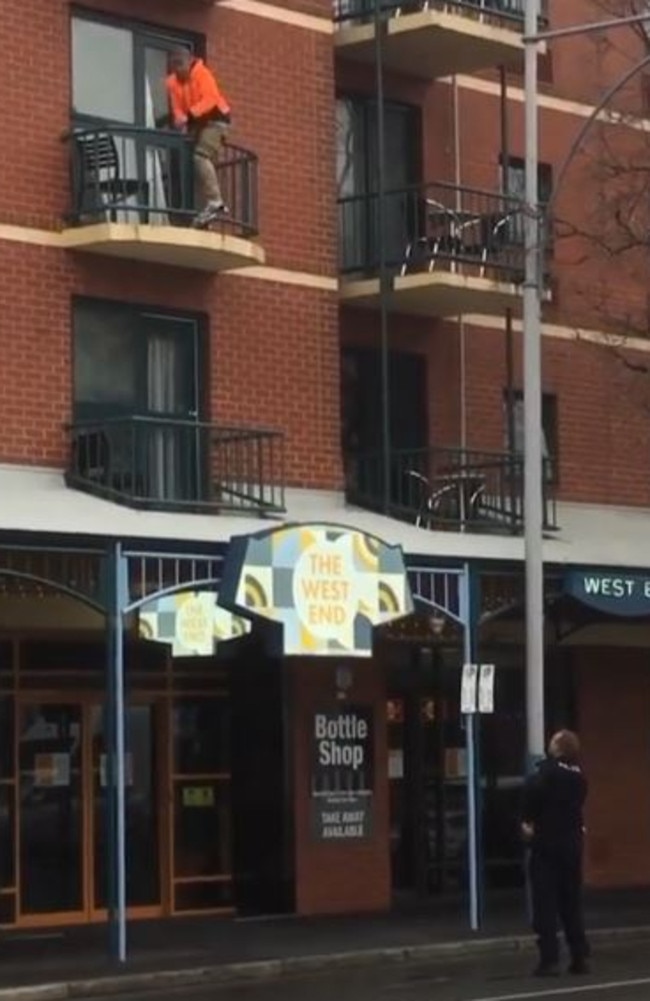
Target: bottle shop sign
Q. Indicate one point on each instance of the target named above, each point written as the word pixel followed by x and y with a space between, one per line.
pixel 342 773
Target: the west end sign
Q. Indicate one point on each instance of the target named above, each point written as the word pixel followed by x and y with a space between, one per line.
pixel 624 594
pixel 327 586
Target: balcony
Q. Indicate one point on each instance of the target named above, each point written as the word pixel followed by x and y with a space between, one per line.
pixel 448 250
pixel 449 489
pixel 178 465
pixel 433 38
pixel 133 198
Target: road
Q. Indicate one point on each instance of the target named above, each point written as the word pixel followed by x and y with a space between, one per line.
pixel 619 974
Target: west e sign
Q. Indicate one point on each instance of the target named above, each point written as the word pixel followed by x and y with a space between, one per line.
pixel 616 593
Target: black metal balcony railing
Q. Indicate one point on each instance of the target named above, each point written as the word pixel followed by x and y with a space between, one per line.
pixel 432 227
pixel 121 173
pixel 505 13
pixel 177 465
pixel 448 488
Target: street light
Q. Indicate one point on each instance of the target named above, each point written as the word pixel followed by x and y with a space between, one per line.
pixel 532 335
pixel 533 473
pixel 384 282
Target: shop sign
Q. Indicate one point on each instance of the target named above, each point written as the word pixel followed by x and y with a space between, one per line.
pixel 624 594
pixel 342 773
pixel 192 622
pixel 327 586
pixel 52 770
pixel 477 689
pixel 198 797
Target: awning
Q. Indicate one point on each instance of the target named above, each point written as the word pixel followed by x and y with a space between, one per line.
pixel 37 500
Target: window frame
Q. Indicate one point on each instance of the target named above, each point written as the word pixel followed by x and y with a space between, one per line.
pixel 357 217
pixel 518 163
pixel 415 145
pixel 201 323
pixel 545 181
pixel 141 30
pixel 550 428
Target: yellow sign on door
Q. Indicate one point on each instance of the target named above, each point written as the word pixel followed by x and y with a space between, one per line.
pixel 201 797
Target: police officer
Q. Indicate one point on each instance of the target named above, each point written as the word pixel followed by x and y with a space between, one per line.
pixel 553 827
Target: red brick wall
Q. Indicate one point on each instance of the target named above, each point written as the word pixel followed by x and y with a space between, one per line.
pixel 603 406
pixel 279 78
pixel 339 877
pixel 274 347
pixel 603 415
pixel 603 403
pixel 273 352
pixel 614 708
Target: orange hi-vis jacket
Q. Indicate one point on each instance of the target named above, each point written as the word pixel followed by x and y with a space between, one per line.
pixel 199 97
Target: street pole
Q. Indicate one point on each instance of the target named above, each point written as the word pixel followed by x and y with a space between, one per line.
pixel 384 289
pixel 533 483
pixel 533 288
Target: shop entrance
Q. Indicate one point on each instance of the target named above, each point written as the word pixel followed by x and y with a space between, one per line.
pixel 62 809
pixel 427 772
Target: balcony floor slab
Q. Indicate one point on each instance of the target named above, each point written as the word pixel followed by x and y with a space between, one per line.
pixel 436 294
pixel 433 44
pixel 173 245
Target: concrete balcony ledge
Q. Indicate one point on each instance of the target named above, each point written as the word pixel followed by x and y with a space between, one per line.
pixel 433 43
pixel 132 196
pixel 436 294
pixel 172 245
pixel 449 249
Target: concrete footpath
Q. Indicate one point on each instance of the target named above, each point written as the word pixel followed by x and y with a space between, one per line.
pixel 179 954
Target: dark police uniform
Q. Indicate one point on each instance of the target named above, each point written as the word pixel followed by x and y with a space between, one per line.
pixel 553 804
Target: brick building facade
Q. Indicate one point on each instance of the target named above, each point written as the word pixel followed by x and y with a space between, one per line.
pixel 143 361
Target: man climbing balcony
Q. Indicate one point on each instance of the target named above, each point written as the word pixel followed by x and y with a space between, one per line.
pixel 199 108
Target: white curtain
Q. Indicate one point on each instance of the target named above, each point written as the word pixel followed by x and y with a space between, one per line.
pixel 155 163
pixel 165 442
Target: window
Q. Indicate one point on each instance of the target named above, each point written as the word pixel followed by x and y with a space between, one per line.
pixel 118 80
pixel 549 429
pixel 130 361
pixel 515 185
pixel 544 67
pixel 516 179
pixel 361 399
pixel 356 165
pixel 119 70
pixel 137 400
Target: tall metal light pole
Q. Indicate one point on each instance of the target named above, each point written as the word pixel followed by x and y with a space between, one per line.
pixel 533 291
pixel 384 277
pixel 533 472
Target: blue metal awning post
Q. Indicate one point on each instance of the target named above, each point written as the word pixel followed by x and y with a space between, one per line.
pixel 115 758
pixel 471 748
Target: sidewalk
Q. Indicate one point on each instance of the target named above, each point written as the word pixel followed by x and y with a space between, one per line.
pixel 184 952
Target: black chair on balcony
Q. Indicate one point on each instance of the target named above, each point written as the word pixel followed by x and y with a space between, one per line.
pixel 450 497
pixel 473 8
pixel 446 234
pixel 101 459
pixel 89 456
pixel 100 186
pixel 505 243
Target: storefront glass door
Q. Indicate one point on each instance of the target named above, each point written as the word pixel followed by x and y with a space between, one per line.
pixel 63 810
pixel 427 769
pixel 51 814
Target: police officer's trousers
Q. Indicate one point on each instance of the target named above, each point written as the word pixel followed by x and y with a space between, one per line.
pixel 556 889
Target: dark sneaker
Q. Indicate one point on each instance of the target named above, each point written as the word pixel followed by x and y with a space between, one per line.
pixel 579 968
pixel 547 970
